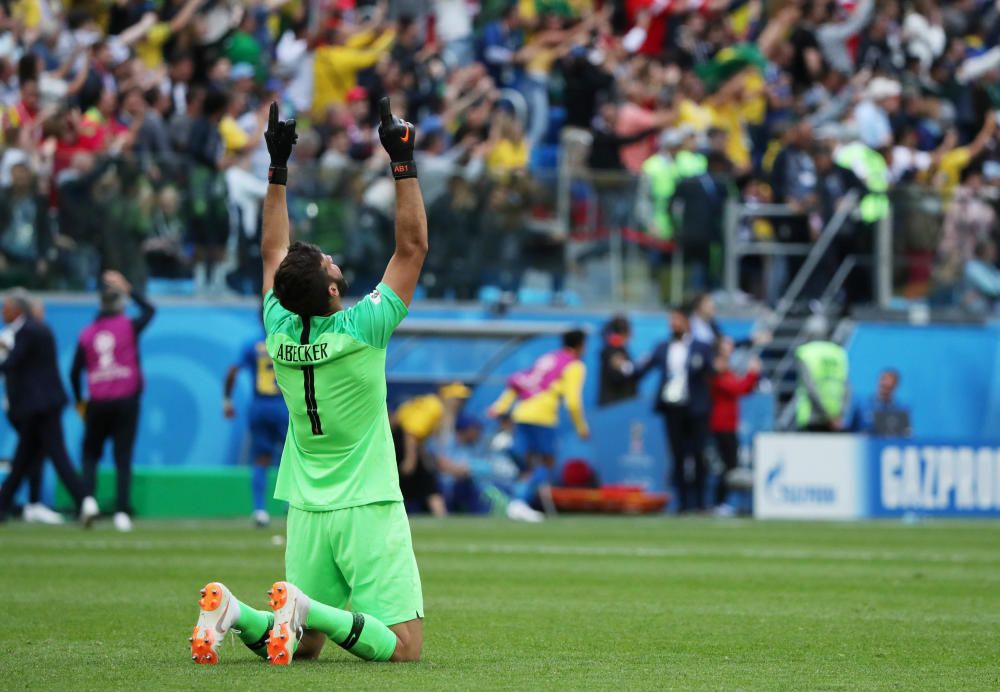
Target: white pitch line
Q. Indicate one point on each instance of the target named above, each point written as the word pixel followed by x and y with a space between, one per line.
pixel 140 545
pixel 685 551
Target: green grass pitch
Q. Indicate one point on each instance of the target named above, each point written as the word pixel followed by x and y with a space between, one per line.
pixel 575 603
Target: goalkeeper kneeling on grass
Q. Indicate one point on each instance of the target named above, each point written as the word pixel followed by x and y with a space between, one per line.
pixel 348 537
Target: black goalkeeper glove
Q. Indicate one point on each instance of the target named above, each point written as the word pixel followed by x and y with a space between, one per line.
pixel 280 138
pixel 397 139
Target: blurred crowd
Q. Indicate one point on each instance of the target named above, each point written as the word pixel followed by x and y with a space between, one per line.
pixel 131 136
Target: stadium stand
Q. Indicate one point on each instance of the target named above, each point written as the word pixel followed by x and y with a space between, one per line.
pixel 571 140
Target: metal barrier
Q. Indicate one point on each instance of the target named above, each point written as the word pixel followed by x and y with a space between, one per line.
pixel 560 235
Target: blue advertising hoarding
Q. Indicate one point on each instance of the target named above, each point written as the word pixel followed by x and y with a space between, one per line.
pixel 819 476
pixel 189 345
pixel 932 478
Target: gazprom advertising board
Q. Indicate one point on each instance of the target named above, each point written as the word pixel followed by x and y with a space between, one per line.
pixel 808 476
pixel 813 476
pixel 934 479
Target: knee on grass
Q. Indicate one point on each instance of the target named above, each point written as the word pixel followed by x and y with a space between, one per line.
pixel 408 646
pixel 405 654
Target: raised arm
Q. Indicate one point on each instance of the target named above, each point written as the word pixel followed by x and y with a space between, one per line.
pixel 985 135
pixel 280 138
pixel 859 19
pixel 184 17
pixel 138 31
pixel 146 311
pixel 117 281
pixel 411 221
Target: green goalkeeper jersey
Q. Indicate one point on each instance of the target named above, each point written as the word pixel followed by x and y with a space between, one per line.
pixel 331 372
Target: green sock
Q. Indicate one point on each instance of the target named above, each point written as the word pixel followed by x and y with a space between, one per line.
pixel 362 635
pixel 252 627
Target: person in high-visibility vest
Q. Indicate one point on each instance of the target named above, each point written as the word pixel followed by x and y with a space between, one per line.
pixel 661 172
pixel 675 161
pixel 822 393
pixel 869 165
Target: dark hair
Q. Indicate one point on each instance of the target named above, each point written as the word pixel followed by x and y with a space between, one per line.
pixel 112 300
pixel 77 18
pixel 300 283
pixel 894 372
pixel 122 95
pixel 969 171
pixel 27 68
pixel 574 338
pixel 618 324
pixel 821 149
pixel 215 104
pixel 301 24
pixel 179 55
pixel 718 161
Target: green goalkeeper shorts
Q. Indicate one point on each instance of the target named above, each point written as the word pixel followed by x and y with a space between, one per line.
pixel 357 558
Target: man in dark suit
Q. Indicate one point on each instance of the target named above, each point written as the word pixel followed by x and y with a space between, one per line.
pixel 36 398
pixel 684 400
pixel 699 205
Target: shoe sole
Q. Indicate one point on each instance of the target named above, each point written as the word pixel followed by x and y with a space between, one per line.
pixel 208 633
pixel 284 599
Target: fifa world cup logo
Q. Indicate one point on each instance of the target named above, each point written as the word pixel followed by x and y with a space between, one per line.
pixel 635 446
pixel 534 378
pixel 104 344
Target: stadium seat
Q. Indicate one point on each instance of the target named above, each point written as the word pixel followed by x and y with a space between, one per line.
pixel 170 287
pixel 557 118
pixel 544 157
pixel 490 294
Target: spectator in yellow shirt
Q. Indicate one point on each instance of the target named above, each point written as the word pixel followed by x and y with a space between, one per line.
pixel 235 138
pixel 336 66
pixel 951 163
pixel 508 153
pixel 535 395
pixel 149 34
pixel 416 423
pixel 737 103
